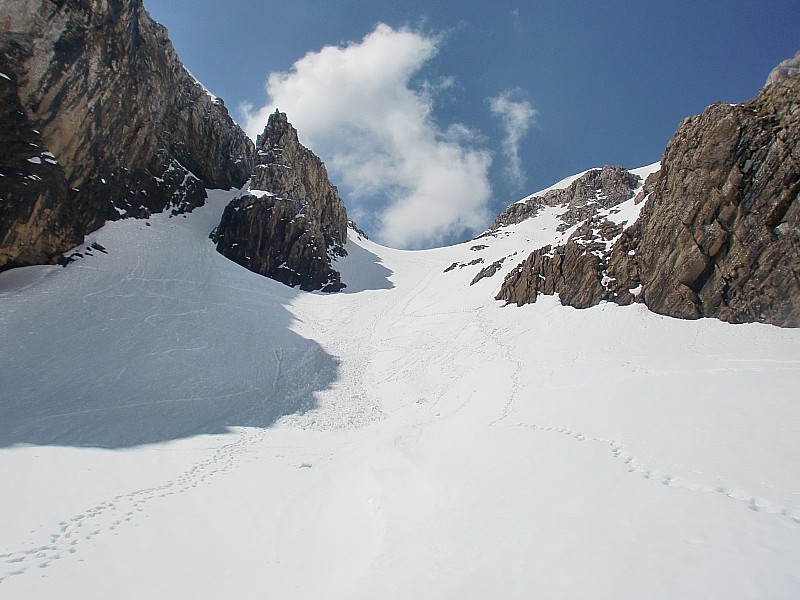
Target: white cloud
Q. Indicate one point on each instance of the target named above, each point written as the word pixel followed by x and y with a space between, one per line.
pixel 356 107
pixel 517 117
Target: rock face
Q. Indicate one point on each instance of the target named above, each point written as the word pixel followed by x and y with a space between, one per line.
pixel 37 216
pixel 595 190
pixel 788 68
pixel 719 235
pixel 293 223
pixel 96 87
pixel 577 270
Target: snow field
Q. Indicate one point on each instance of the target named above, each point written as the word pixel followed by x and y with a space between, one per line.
pixel 181 428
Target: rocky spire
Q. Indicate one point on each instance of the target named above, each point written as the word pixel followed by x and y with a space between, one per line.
pixel 293 223
pixel 290 170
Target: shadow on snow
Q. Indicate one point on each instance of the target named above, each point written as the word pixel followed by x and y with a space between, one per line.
pixel 119 360
pixel 362 270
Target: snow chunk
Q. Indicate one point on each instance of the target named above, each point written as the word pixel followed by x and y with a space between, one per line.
pixel 261 193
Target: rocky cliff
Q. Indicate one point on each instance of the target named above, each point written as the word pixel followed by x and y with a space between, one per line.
pixel 719 235
pixel 577 270
pixel 293 223
pixel 101 121
pixel 37 214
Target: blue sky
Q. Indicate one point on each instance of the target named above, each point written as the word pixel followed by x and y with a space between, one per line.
pixel 505 98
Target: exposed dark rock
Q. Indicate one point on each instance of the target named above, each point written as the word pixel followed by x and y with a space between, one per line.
pixel 288 169
pixel 577 271
pixel 354 227
pixel 132 132
pixel 719 235
pixel 580 270
pixel 37 215
pixel 292 229
pixel 488 271
pixel 460 265
pixel 274 237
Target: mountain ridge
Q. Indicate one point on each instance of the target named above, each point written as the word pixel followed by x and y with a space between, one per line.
pixel 122 129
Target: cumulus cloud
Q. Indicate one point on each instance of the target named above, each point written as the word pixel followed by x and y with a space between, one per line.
pixel 517 116
pixel 358 106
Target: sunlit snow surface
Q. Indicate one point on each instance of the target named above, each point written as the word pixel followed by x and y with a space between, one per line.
pixel 174 426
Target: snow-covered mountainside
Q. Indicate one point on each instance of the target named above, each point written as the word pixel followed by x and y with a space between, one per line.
pixel 176 426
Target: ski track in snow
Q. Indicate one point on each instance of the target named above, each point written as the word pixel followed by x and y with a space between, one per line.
pixel 635 466
pixel 415 369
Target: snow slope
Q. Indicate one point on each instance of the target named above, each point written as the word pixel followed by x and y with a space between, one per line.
pixel 174 426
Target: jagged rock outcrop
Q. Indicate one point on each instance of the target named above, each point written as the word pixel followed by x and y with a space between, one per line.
pixel 595 190
pixel 577 270
pixel 719 235
pixel 101 89
pixel 787 68
pixel 293 223
pixel 354 226
pixel 488 271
